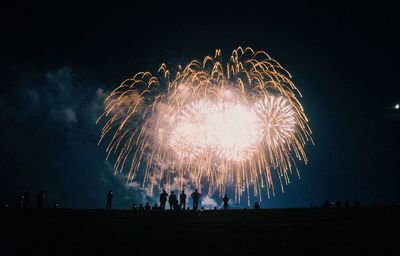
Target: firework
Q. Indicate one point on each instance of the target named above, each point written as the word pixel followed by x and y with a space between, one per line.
pixel 215 123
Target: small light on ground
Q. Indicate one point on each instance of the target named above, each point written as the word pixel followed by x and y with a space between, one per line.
pixel 397 106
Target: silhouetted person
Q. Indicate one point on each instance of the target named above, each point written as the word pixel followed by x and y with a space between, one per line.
pixel 182 200
pixel 141 208
pixel 195 196
pixel 147 207
pixel 134 207
pixel 163 199
pixel 346 203
pixel 256 206
pixel 356 203
pixel 226 201
pixel 326 204
pixel 172 201
pixel 109 200
pixel 39 199
pixel 20 203
pixel 27 198
pixel 155 207
pixel 338 203
pixel 176 205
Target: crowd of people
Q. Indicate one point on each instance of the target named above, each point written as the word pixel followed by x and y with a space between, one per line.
pixel 339 203
pixel 175 203
pixel 25 199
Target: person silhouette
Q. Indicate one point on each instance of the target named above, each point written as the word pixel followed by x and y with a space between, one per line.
pixel 141 208
pixel 182 200
pixel 109 200
pixel 134 207
pixel 225 200
pixel 147 207
pixel 326 204
pixel 39 199
pixel 163 199
pixel 176 205
pixel 20 203
pixel 155 207
pixel 195 196
pixel 27 198
pixel 172 201
pixel 256 206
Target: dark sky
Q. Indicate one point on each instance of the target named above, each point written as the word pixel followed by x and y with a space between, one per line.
pixel 57 60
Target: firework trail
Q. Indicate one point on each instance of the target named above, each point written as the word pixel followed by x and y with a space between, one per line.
pixel 215 123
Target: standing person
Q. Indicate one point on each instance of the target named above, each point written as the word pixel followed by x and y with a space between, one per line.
pixel 109 200
pixel 27 198
pixel 182 200
pixel 20 203
pixel 163 199
pixel 172 201
pixel 141 208
pixel 195 196
pixel 39 199
pixel 176 204
pixel 155 207
pixel 225 200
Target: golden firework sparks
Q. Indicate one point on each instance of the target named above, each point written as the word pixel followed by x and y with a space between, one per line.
pixel 211 122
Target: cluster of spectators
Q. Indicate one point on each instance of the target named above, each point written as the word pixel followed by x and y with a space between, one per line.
pixel 24 200
pixel 174 203
pixel 339 203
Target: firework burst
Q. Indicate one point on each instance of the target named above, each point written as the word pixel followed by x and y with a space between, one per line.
pixel 214 123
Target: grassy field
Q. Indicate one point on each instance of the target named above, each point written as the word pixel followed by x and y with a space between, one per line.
pixel 340 231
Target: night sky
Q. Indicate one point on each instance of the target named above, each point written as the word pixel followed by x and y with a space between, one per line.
pixel 57 61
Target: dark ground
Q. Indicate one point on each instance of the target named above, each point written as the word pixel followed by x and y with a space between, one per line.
pixel 332 231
